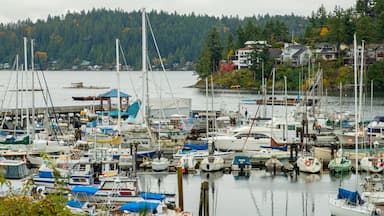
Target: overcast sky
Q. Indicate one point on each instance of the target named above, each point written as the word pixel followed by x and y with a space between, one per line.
pixel 13 10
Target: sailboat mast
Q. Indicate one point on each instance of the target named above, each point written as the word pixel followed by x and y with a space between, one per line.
pixel 33 88
pixel 17 93
pixel 273 100
pixel 361 81
pixel 144 62
pixel 206 106
pixel 26 69
pixel 286 109
pixel 118 85
pixel 356 120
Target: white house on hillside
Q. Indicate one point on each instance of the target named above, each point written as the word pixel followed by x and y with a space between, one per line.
pixel 296 54
pixel 242 57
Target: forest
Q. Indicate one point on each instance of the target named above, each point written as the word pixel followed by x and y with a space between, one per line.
pixel 88 37
pixel 336 27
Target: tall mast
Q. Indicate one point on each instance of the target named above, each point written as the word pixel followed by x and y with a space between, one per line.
pixel 144 60
pixel 356 117
pixel 26 69
pixel 118 85
pixel 17 93
pixel 361 81
pixel 33 89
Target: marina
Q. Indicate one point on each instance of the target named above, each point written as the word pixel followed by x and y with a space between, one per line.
pixel 262 192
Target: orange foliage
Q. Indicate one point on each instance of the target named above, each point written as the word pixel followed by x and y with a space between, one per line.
pixel 324 31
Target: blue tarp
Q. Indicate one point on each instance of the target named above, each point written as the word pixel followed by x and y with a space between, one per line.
pixel 196 146
pixel 152 196
pixel 75 203
pixel 351 196
pixel 139 206
pixel 85 189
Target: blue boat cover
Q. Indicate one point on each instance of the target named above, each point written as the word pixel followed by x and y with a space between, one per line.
pixel 351 196
pixel 139 206
pixel 152 196
pixel 132 110
pixel 196 146
pixel 145 154
pixel 84 189
pixel 75 203
pixel 244 159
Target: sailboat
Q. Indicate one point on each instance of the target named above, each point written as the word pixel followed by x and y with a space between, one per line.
pixel 340 164
pixel 212 162
pixel 349 203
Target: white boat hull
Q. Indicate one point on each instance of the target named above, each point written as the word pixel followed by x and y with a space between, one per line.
pixel 161 164
pixel 212 163
pixel 372 164
pixel 339 207
pixel 309 164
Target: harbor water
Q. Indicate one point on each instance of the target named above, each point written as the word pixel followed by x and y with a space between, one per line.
pixel 258 193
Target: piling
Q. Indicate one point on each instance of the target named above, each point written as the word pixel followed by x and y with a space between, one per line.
pixel 204 199
pixel 180 187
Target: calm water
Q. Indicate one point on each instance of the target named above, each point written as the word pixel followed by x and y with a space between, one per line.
pixel 164 84
pixel 260 194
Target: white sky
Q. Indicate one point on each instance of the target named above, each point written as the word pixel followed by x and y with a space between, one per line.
pixel 13 10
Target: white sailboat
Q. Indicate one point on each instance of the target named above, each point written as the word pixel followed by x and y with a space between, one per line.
pixel 212 162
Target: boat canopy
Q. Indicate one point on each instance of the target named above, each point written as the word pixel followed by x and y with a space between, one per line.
pixel 139 206
pixel 152 196
pixel 239 159
pixel 350 196
pixel 85 190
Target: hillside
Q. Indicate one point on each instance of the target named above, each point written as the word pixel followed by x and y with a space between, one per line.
pixel 79 40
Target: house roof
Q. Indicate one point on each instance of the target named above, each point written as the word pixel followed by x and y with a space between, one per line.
pixel 301 50
pixel 113 94
pixel 275 52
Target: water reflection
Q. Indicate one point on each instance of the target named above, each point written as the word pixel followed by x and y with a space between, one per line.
pixel 241 175
pixel 309 178
pixel 340 176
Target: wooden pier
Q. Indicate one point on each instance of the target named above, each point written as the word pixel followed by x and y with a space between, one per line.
pixel 56 109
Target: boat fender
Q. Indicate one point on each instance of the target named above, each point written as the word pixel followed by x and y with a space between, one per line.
pixel 307 163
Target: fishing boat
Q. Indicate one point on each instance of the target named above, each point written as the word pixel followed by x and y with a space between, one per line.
pixel 13 169
pixel 241 163
pixel 118 189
